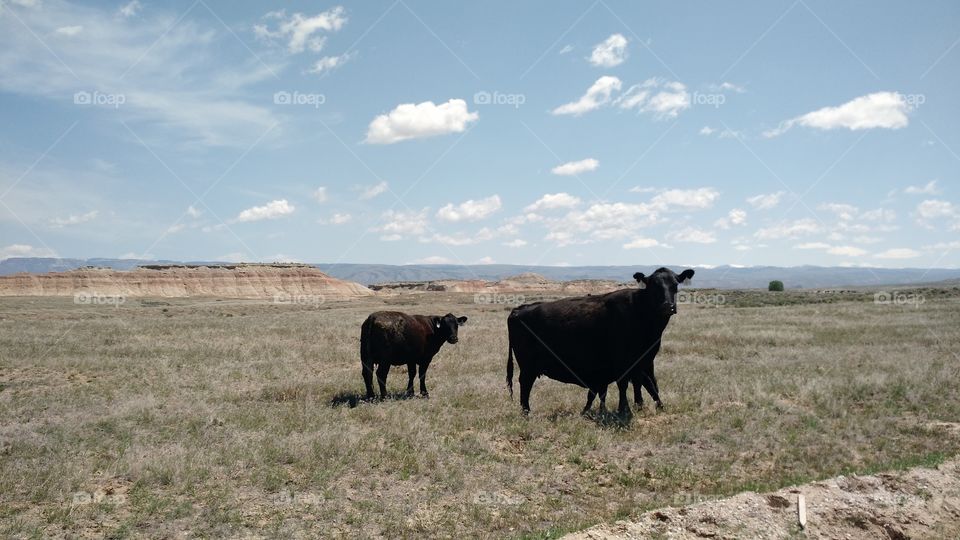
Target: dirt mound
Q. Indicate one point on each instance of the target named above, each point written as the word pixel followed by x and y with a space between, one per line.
pixel 291 281
pixel 917 503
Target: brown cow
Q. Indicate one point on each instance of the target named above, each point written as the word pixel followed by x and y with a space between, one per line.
pixel 391 338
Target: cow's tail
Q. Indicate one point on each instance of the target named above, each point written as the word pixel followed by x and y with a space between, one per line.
pixel 510 368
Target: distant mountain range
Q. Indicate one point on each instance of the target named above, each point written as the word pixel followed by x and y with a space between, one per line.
pixel 726 277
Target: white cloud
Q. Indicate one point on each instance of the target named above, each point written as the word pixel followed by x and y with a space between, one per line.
pixel 597 95
pixel 515 243
pixel 930 188
pixel 641 243
pixel 460 239
pixel 933 209
pixel 727 87
pixel 878 110
pixel 665 99
pixel 69 31
pixel 472 210
pixel 736 216
pixel 766 201
pixel 551 201
pixel 686 198
pixel 337 219
pixel 847 251
pixel 398 224
pixel 610 52
pixel 299 31
pixel 130 8
pixel 486 260
pixel 600 221
pixel 24 250
pixel 800 227
pixel 707 130
pixel 566 49
pixel 271 210
pixel 813 245
pixel 898 253
pixel 692 235
pixel 74 219
pixel 370 192
pixel 320 194
pixel 409 121
pixel 433 259
pixel 845 212
pixel 328 63
pixel 573 168
pixel 193 212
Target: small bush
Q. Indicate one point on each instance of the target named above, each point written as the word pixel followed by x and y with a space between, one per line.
pixel 775 285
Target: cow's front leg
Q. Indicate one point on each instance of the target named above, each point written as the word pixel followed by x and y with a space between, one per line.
pixel 590 397
pixel 624 406
pixel 411 373
pixel 423 380
pixel 382 370
pixel 637 383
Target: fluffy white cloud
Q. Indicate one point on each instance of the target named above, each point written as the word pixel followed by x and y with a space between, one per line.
pixel 736 216
pixel 845 212
pixel 328 63
pixel 398 224
pixel 597 95
pixel 687 199
pixel 610 52
pixel 410 121
pixel 299 31
pixel 665 99
pixel 800 227
pixel 600 221
pixel 692 235
pixel 320 194
pixel 74 219
pixel 813 245
pixel 933 209
pixel 24 250
pixel 337 219
pixel 898 253
pixel 766 201
pixel 930 188
pixel 130 8
pixel 515 243
pixel 271 210
pixel 878 110
pixel 193 212
pixel 472 210
pixel 552 201
pixel 573 168
pixel 707 130
pixel 69 31
pixel 641 243
pixel 370 192
pixel 846 251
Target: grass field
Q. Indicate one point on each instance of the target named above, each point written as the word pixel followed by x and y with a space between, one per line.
pixel 232 418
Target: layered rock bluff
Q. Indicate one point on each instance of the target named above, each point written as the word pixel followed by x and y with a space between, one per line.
pixel 230 281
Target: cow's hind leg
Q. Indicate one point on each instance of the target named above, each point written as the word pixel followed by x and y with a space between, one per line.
pixel 624 406
pixel 590 396
pixel 382 371
pixel 637 383
pixel 411 373
pixel 423 379
pixel 368 379
pixel 526 384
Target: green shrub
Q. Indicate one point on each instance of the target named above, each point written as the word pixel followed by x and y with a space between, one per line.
pixel 775 285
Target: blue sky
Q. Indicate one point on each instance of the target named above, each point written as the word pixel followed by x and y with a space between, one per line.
pixel 582 133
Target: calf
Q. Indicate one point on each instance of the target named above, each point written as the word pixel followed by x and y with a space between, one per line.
pixel 391 338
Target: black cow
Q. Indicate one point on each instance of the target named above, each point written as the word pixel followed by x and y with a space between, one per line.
pixel 391 338
pixel 592 341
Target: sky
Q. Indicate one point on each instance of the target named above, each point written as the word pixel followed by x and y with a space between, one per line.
pixel 554 133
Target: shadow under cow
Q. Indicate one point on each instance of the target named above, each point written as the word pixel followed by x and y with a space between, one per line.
pixel 352 399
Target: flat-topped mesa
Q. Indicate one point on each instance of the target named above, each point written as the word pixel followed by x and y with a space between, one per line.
pixel 522 283
pixel 243 280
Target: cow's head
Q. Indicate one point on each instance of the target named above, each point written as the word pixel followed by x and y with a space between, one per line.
pixel 446 326
pixel 661 288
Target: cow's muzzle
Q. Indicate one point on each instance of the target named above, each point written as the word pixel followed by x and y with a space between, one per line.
pixel 452 340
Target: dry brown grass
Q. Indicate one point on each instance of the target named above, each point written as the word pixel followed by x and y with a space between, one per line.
pixel 217 418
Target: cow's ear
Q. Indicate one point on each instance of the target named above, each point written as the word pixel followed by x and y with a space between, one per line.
pixel 461 321
pixel 641 279
pixel 686 276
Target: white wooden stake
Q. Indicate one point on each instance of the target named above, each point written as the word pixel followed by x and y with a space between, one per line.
pixel 801 511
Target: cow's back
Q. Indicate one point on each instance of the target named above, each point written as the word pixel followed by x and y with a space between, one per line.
pixel 392 337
